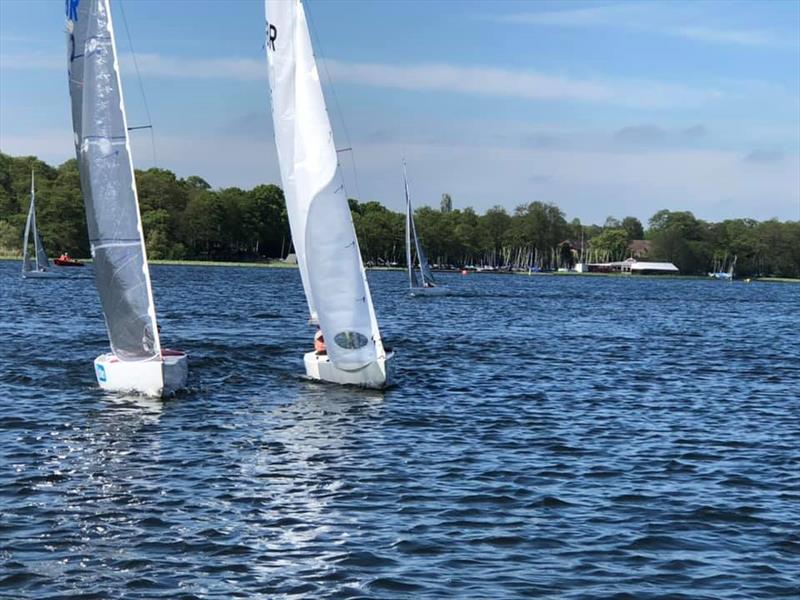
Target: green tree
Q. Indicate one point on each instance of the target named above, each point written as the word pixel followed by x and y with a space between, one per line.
pixel 611 244
pixel 633 227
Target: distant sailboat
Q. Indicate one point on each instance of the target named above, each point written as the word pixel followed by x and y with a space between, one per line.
pixel 720 272
pixel 35 265
pixel 424 285
pixel 324 238
pixel 137 361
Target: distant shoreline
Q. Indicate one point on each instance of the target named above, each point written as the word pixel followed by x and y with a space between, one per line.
pixel 278 264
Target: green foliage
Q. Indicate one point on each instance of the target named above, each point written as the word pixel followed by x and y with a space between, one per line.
pixel 611 244
pixel 186 219
pixel 633 227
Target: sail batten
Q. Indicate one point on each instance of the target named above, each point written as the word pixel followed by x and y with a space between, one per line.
pixel 108 184
pixel 324 238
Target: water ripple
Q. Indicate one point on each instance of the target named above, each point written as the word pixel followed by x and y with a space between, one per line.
pixel 549 437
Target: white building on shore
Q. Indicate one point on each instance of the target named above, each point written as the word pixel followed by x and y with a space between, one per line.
pixel 632 266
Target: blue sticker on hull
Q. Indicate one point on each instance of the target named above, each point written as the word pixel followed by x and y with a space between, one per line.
pixel 101 373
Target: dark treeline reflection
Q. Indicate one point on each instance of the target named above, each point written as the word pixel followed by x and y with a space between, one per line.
pixel 186 219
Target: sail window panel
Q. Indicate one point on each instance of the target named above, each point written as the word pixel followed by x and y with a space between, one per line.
pixel 350 340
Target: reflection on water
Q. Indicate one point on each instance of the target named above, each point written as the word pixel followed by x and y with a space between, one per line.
pixel 555 437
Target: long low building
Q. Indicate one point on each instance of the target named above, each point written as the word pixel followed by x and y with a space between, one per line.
pixel 633 266
pixel 653 268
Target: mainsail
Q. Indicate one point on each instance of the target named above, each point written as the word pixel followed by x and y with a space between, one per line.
pixel 107 182
pixel 26 260
pixel 319 215
pixel 412 273
pixel 42 263
pixel 411 234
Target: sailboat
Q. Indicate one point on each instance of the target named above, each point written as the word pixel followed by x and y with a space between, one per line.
pixel 425 285
pixel 720 272
pixel 137 362
pixel 36 266
pixel 328 256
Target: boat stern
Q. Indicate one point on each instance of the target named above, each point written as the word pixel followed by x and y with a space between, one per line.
pixel 156 378
pixel 376 375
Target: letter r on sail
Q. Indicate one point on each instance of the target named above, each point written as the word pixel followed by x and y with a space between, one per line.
pixel 272 35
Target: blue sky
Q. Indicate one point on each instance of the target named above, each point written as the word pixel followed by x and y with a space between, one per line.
pixel 605 108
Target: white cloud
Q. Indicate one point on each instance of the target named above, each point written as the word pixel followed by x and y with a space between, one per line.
pixel 483 81
pixel 525 84
pixel 521 83
pixel 728 36
pixel 33 61
pixel 240 69
pixel 665 19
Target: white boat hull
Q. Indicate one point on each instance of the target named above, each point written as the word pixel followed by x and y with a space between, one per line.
pixel 376 375
pixel 437 290
pixel 157 378
pixel 41 275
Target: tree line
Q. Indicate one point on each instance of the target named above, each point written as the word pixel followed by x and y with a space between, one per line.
pixel 186 219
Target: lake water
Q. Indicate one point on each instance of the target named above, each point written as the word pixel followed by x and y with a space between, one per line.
pixel 566 437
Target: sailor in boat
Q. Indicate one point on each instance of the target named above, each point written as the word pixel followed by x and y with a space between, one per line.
pixel 64 257
pixel 319 343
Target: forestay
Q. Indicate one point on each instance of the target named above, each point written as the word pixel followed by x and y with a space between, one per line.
pixel 107 182
pixel 319 215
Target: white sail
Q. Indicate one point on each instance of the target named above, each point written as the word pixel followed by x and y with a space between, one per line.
pixel 27 267
pixel 40 261
pixel 412 275
pixel 319 215
pixel 411 234
pixel 107 182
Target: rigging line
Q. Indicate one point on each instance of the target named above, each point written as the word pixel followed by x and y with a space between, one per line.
pixel 141 84
pixel 318 44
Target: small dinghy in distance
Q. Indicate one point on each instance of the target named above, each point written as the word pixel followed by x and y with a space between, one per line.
pixel 66 261
pixel 425 285
pixel 136 363
pixel 36 266
pixel 328 256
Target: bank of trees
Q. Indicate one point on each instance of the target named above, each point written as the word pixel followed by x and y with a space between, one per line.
pixel 186 219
